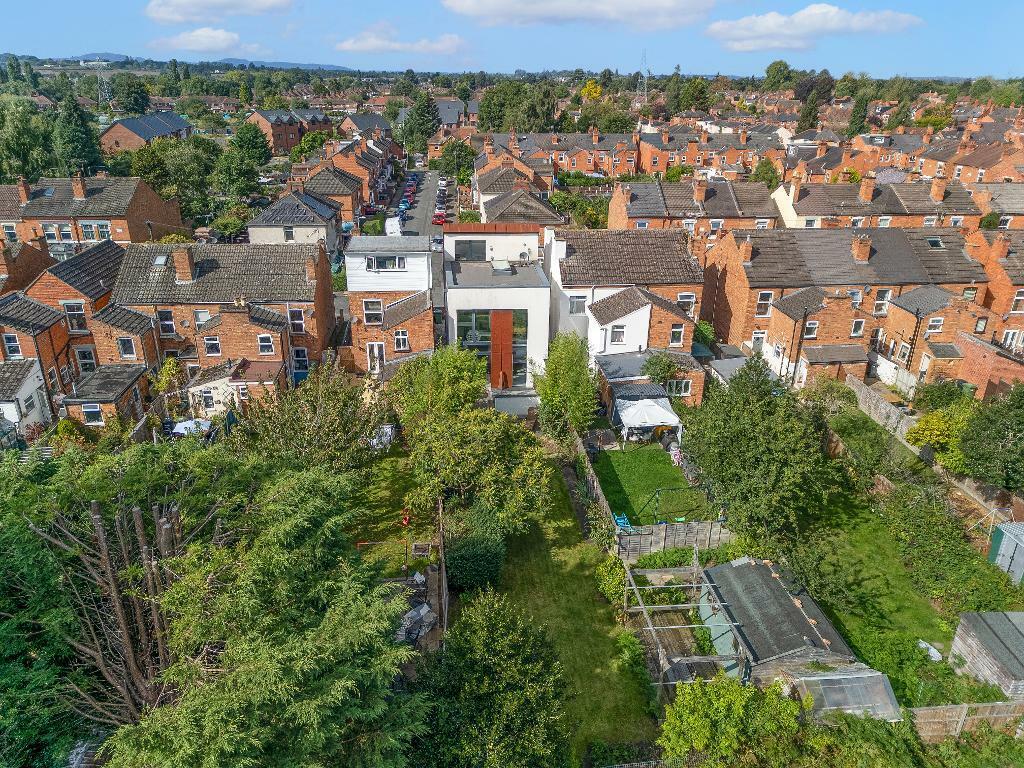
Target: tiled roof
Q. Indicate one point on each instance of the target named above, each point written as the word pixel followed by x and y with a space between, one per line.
pixel 723 199
pixel 942 151
pixel 629 300
pixel 1014 261
pixel 406 309
pixel 1006 197
pixel 104 198
pixel 154 125
pixel 332 181
pixel 106 384
pixel 262 273
pixel 297 208
pixel 122 318
pixel 366 122
pixel 628 257
pixel 795 304
pixel 801 257
pixel 835 353
pixel 924 300
pixel 499 180
pixel 12 375
pixel 28 315
pixel 520 205
pixel 944 350
pixel 93 271
pixel 916 199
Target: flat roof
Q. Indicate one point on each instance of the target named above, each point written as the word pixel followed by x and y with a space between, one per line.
pixel 385 244
pixel 106 384
pixel 493 228
pixel 481 274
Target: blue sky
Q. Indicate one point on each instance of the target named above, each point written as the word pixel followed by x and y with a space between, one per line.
pixel 882 37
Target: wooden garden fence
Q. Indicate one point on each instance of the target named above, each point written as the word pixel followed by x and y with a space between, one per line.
pixel 934 724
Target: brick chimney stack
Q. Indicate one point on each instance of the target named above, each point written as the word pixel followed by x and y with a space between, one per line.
pixel 595 135
pixel 664 136
pixel 746 250
pixel 700 190
pixel 867 188
pixel 794 189
pixel 24 191
pixel 743 136
pixel 938 190
pixel 1000 248
pixel 861 248
pixel 927 138
pixel 822 148
pixel 184 265
pixel 521 183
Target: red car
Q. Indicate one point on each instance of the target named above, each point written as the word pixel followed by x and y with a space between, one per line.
pixel 439 218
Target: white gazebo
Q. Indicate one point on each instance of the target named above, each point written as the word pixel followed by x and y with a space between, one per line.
pixel 645 406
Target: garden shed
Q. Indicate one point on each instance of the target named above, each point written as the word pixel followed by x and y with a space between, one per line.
pixel 1007 549
pixel 991 645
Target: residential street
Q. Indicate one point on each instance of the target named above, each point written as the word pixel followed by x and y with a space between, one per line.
pixel 418 221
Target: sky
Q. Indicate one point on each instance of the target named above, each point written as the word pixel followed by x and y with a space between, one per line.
pixel 734 37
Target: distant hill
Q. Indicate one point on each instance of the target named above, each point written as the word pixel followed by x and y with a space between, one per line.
pixel 99 57
pixel 282 65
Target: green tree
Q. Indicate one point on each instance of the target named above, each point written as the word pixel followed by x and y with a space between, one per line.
pixel 235 176
pixel 809 113
pixel 760 456
pixel 766 172
pixel 941 429
pixel 497 693
pixel 308 145
pixel 723 723
pixel 858 117
pixel 660 367
pixel 993 441
pixel 245 93
pixel 251 142
pixel 500 103
pixel 990 220
pixel 776 76
pixel 420 124
pixel 567 386
pixel 674 93
pixel 457 161
pixel 24 141
pixel 696 94
pixel 181 169
pixel 676 172
pixel 75 144
pixel 129 91
pixel 591 91
pixel 448 382
pixel 14 74
pixel 392 108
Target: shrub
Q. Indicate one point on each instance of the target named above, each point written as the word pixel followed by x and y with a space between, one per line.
pixel 937 394
pixel 604 754
pixel 632 661
pixel 601 528
pixel 374 226
pixel 475 561
pixel 611 580
pixel 469 216
pixel 990 220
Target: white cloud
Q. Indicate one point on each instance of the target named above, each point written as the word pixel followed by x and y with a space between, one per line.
pixel 179 11
pixel 802 29
pixel 672 13
pixel 383 38
pixel 204 40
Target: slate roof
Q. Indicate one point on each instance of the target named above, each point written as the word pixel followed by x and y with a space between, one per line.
pixel 629 300
pixel 520 205
pixel 332 181
pixel 27 315
pixel 267 318
pixel 629 365
pixel 1006 197
pixel 366 122
pixel 924 300
pixel 12 375
pixel 809 300
pixel 93 271
pixel 292 115
pixel 723 199
pixel 122 318
pixel 297 208
pixel 769 622
pixel 942 151
pixel 944 350
pixel 1001 634
pixel 916 198
pixel 792 258
pixel 404 310
pixel 499 180
pixel 628 257
pixel 986 155
pixel 106 384
pixel 638 391
pixel 886 199
pixel 53 198
pixel 154 125
pixel 823 354
pixel 1014 261
pixel 262 273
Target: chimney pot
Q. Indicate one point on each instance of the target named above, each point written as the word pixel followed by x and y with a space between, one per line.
pixel 24 190
pixel 938 190
pixel 700 190
pixel 78 186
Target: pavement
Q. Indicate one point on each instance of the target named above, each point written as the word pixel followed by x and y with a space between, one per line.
pixel 422 211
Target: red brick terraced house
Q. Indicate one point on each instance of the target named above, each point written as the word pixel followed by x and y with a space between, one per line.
pixel 704 207
pixel 131 133
pixel 1006 200
pixel 1002 255
pixel 76 212
pixel 284 128
pixel 33 331
pixel 21 263
pixel 855 274
pixel 215 302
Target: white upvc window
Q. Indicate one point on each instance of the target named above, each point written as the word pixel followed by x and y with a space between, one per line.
pixel 208 402
pixel 211 345
pixel 761 224
pixel 289 234
pixel 641 225
pixel 618 334
pixel 243 391
pixel 92 414
pixel 126 347
pixel 373 311
pixel 884 222
pixel 57 232
pixel 956 221
pixel 385 263
pixel 300 359
pixel 687 301
pixel 1018 302
pixel 717 224
pixel 86 357
pixel 882 301
pixel 265 343
pixel 857 329
pixel 981 174
pixel 811 329
pixel 679 387
pixel 30 403
pixel 935 325
pixel 200 316
pixel 402 341
pixel 980 325
pixel 857 222
pixel 10 231
pixel 1004 222
pixel 1010 336
pixel 165 319
pixel 297 320
pixel 810 223
pixel 95 230
pixel 675 338
pixel 75 312
pixel 764 304
pixel 930 221
pixel 958 172
pixel 577 305
pixel 12 346
pixel 904 352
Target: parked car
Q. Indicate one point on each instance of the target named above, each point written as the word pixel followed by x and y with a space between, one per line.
pixel 437 243
pixel 439 218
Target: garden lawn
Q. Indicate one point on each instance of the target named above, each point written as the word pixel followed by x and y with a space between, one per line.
pixel 630 477
pixel 380 532
pixel 550 574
